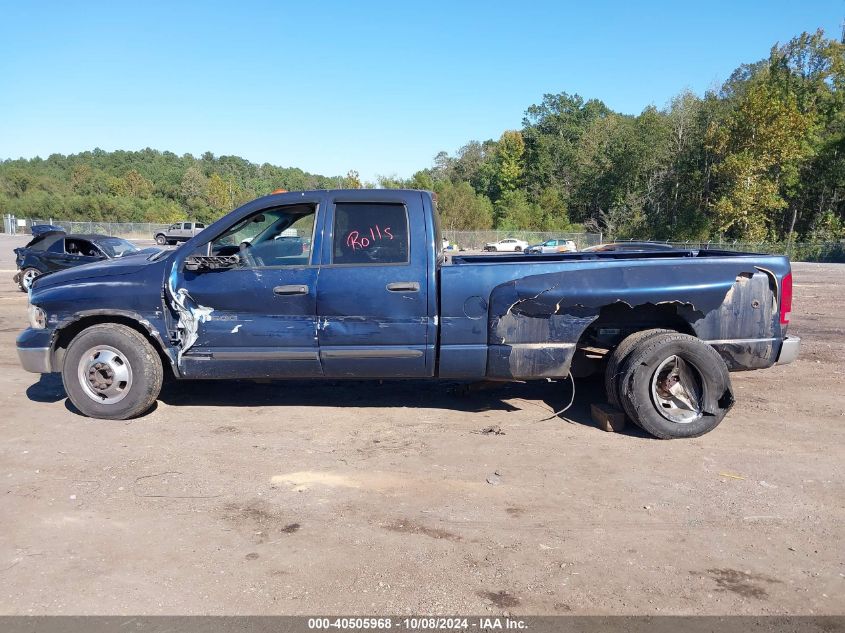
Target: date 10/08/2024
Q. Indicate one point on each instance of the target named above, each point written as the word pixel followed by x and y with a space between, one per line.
pixel 362 239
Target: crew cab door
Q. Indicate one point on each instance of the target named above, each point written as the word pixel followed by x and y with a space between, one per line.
pixel 260 314
pixel 372 293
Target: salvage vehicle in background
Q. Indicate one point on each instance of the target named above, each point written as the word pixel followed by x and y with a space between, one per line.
pixel 507 245
pixel 55 250
pixel 630 247
pixel 40 229
pixel 552 246
pixel 375 297
pixel 179 232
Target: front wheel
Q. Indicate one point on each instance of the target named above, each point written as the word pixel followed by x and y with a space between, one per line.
pixel 674 385
pixel 161 240
pixel 518 249
pixel 28 275
pixel 112 372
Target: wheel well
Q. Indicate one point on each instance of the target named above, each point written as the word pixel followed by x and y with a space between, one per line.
pixel 618 320
pixel 65 335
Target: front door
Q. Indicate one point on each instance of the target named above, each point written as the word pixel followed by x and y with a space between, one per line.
pixel 259 317
pixel 372 299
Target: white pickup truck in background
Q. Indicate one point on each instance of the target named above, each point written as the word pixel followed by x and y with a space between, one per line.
pixel 179 232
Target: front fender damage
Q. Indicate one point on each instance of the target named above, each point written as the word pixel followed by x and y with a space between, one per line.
pixel 190 314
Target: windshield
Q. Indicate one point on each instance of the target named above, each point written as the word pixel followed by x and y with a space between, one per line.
pixel 117 247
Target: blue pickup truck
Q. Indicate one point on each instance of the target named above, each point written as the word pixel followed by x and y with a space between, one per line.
pixel 355 284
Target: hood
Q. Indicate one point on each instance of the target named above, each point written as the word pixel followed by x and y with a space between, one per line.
pixel 98 270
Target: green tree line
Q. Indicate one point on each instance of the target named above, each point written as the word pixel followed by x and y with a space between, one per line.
pixel 144 186
pixel 760 158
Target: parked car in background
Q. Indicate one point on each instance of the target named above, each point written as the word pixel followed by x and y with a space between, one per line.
pixel 552 246
pixel 56 250
pixel 629 247
pixel 508 245
pixel 41 229
pixel 179 232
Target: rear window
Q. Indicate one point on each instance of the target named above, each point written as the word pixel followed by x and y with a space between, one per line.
pixel 366 233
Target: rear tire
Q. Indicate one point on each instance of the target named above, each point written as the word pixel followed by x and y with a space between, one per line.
pixel 674 386
pixel 112 372
pixel 518 249
pixel 28 275
pixel 617 357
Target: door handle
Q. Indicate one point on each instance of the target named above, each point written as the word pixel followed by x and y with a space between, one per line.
pixel 403 286
pixel 288 291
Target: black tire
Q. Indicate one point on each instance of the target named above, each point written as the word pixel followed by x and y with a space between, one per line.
pixel 28 275
pixel 617 357
pixel 144 365
pixel 638 393
pixel 161 240
pixel 518 249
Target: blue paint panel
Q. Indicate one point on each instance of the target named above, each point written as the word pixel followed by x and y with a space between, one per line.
pixel 355 305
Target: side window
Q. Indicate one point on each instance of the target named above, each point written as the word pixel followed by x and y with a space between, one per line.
pixel 199 225
pixel 83 248
pixel 367 233
pixel 186 226
pixel 57 247
pixel 275 237
pixel 175 227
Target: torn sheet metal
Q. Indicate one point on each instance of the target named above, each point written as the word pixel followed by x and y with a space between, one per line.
pixel 191 314
pixel 535 322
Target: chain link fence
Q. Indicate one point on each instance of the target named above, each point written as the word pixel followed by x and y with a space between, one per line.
pixel 128 230
pixel 469 240
pixel 475 240
pixel 796 251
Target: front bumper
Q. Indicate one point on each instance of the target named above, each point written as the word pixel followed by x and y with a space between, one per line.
pixel 35 350
pixel 789 350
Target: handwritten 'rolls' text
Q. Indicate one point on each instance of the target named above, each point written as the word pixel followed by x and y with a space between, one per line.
pixel 368 237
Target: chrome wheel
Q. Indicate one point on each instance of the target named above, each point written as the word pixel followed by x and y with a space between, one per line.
pixel 27 277
pixel 104 374
pixel 676 390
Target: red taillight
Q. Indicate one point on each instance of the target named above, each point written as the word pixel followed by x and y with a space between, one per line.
pixel 785 299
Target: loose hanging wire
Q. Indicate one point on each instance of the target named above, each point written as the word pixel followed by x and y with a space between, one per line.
pixel 566 408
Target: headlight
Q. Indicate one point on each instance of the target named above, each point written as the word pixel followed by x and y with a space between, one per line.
pixel 37 317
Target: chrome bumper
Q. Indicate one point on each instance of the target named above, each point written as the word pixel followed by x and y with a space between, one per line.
pixel 36 359
pixel 789 350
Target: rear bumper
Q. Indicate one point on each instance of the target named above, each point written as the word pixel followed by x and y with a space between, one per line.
pixel 789 350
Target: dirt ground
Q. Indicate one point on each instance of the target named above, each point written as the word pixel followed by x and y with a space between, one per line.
pixel 304 498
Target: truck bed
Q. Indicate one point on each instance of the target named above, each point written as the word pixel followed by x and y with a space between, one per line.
pixel 517 258
pixel 524 316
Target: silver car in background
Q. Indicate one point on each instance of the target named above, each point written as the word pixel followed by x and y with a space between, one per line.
pixel 552 246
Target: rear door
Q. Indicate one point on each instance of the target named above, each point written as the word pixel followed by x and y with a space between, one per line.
pixel 372 298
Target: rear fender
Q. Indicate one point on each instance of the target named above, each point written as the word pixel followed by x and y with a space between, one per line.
pixel 536 322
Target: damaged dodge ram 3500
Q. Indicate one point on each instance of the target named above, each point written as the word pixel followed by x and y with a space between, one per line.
pixel 354 284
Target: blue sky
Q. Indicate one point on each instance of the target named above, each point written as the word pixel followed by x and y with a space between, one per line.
pixel 380 87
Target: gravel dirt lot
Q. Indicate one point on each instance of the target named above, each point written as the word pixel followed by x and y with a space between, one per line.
pixel 333 497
